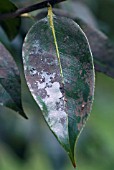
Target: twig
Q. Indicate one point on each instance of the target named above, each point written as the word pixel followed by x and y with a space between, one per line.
pixel 31 8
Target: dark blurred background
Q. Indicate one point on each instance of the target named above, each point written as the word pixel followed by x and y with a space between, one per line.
pixel 29 144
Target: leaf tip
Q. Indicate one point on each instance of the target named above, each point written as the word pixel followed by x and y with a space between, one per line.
pixel 74 165
pixel 73 161
pixel 23 114
pixel 25 117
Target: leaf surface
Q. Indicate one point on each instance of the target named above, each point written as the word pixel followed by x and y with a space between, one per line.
pixel 65 100
pixel 10 84
pixel 102 49
pixel 10 26
pixel 101 46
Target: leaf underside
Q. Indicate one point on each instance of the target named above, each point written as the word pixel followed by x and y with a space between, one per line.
pixel 10 84
pixel 65 106
pixel 10 26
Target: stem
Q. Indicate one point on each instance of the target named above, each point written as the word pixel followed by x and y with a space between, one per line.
pixel 31 8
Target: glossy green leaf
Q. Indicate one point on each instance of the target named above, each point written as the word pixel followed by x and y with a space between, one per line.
pixel 101 46
pixel 10 85
pixel 102 49
pixel 10 26
pixel 65 101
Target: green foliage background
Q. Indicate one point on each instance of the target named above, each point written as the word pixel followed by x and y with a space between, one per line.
pixel 28 144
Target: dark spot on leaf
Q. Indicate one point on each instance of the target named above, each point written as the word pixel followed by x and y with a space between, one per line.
pixel 62 88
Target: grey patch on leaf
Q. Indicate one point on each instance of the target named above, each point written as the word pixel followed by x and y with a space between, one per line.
pixel 46 83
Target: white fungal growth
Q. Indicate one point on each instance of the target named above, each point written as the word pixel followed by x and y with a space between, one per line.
pixel 33 72
pixel 47 80
pixel 54 93
pixel 54 100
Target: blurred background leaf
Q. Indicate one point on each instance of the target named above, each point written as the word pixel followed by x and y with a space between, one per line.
pixel 10 26
pixel 10 84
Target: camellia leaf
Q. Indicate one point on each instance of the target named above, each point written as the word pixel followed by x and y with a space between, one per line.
pixel 58 67
pixel 10 26
pixel 10 85
pixel 102 49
